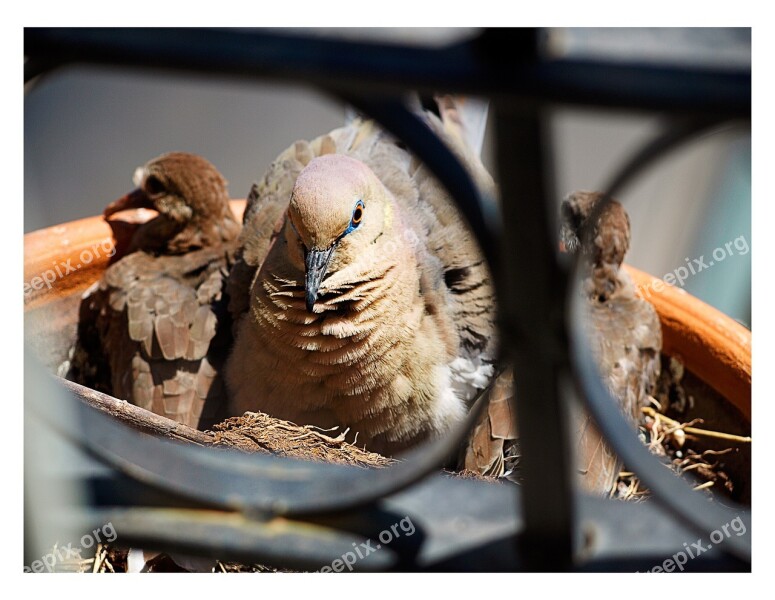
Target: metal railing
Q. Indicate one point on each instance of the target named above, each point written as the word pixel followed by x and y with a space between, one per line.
pixel 228 505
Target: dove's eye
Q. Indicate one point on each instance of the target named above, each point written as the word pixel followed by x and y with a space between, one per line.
pixel 357 214
pixel 153 186
pixel 355 219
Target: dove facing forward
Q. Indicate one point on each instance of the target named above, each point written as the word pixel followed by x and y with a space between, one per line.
pixel 154 330
pixel 371 306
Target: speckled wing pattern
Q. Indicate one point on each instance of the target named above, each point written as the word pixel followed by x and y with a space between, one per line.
pixel 625 337
pixel 493 440
pixel 155 331
pixel 466 277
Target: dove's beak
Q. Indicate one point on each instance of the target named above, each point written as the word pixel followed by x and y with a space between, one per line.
pixel 134 199
pixel 316 265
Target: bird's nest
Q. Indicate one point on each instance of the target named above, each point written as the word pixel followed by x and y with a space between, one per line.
pixel 251 433
pixel 258 432
pixel 694 437
pixel 680 428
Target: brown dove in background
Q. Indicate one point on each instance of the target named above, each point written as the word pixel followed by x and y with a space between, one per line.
pixel 623 330
pixel 625 337
pixel 155 329
pixel 369 304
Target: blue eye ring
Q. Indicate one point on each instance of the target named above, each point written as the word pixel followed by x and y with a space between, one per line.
pixel 357 217
pixel 357 214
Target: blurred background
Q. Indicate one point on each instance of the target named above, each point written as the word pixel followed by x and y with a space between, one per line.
pixel 87 129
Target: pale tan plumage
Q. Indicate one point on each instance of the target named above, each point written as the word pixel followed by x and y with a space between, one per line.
pixel 155 329
pixel 401 327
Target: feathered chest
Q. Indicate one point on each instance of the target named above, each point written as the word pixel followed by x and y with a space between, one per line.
pixel 365 314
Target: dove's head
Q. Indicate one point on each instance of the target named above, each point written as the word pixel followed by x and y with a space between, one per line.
pixel 607 239
pixel 338 210
pixel 191 199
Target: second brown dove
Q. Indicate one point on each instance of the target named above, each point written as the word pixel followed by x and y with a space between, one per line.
pixel 623 330
pixel 155 329
pixel 625 337
pixel 369 305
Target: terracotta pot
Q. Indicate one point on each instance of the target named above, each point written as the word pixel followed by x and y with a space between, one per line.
pixel 713 347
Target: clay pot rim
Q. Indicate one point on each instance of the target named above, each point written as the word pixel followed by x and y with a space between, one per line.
pixel 712 345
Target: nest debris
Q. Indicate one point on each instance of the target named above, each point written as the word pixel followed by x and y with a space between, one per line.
pixel 681 444
pixel 256 432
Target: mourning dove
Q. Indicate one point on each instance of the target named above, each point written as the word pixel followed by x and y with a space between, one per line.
pixel 625 337
pixel 624 333
pixel 151 331
pixel 369 304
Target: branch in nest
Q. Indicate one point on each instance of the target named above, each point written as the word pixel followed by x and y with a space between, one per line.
pixel 252 432
pixel 694 430
pixel 137 417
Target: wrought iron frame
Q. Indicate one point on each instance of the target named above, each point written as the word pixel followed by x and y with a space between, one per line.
pixel 299 515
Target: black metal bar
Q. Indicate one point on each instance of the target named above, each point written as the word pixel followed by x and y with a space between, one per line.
pixel 452 532
pixel 492 65
pixel 674 133
pixel 395 118
pixel 530 313
pixel 230 479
